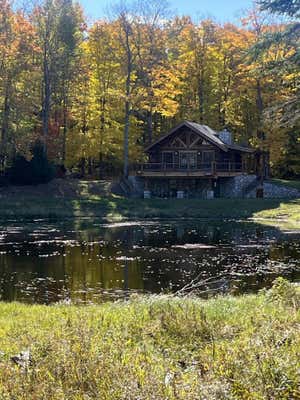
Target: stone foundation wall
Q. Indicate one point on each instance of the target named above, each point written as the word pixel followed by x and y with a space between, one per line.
pixel 137 185
pixel 238 186
pixel 273 191
pixel 243 186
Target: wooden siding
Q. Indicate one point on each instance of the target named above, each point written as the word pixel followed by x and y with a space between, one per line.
pixel 186 153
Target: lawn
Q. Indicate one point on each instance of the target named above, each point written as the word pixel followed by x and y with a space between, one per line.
pixel 117 208
pixel 288 211
pixel 290 183
pixel 73 198
pixel 154 348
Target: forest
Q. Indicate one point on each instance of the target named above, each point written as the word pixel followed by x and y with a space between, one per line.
pixel 88 97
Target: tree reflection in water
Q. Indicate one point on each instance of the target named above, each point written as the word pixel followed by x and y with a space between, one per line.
pixel 89 261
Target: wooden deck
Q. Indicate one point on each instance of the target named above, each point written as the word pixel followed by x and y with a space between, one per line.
pixel 213 169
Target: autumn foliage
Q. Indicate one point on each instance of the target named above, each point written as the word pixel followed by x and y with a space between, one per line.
pixel 96 95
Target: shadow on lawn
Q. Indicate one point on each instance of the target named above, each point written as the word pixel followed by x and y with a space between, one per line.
pixel 118 208
pixel 122 208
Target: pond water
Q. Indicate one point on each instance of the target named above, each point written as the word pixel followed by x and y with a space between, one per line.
pixel 91 261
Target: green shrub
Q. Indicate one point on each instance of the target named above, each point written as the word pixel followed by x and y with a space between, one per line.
pixel 20 172
pixel 284 292
pixel 42 170
pixel 37 170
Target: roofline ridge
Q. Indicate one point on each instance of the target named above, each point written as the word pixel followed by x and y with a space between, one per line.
pixel 192 126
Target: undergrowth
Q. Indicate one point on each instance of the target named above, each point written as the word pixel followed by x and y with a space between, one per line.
pixel 154 348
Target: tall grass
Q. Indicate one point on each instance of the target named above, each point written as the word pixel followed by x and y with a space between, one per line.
pixel 154 348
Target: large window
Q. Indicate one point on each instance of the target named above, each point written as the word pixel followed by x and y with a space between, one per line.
pixel 208 156
pixel 168 159
pixel 188 160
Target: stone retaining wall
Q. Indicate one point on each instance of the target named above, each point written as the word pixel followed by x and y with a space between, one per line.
pixel 137 185
pixel 237 186
pixel 243 186
pixel 273 191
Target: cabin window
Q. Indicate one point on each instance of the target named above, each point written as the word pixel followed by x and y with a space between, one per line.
pixel 188 160
pixel 168 158
pixel 208 156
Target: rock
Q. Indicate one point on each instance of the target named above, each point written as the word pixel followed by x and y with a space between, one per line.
pixel 169 378
pixel 22 360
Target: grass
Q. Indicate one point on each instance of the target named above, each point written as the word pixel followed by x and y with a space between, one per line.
pixel 117 208
pixel 73 198
pixel 290 183
pixel 288 211
pixel 155 348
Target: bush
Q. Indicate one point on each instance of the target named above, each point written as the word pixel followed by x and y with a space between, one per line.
pixel 4 181
pixel 37 170
pixel 20 172
pixel 284 292
pixel 42 170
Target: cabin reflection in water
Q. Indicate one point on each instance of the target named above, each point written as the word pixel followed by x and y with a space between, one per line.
pixel 193 160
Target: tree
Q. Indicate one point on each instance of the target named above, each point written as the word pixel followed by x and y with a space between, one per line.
pixel 95 98
pixel 283 114
pixel 59 26
pixel 154 72
pixel 288 7
pixel 70 35
pixel 124 14
pixel 18 51
pixel 105 87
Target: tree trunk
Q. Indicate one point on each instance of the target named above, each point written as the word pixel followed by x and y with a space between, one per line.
pixel 4 128
pixel 90 166
pixel 102 129
pixel 259 99
pixel 150 126
pixel 260 110
pixel 201 95
pixel 126 139
pixel 64 131
pixel 82 167
pixel 127 104
pixel 46 96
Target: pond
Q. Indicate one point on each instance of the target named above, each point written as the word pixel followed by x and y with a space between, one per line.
pixel 91 261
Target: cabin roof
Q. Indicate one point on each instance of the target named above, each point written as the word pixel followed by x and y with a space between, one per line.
pixel 240 148
pixel 207 133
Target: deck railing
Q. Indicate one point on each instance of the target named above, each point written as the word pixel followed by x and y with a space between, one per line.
pixel 209 168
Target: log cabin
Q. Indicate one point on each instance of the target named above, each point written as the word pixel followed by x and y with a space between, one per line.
pixel 193 160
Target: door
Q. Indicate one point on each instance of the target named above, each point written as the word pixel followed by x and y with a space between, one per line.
pixel 208 156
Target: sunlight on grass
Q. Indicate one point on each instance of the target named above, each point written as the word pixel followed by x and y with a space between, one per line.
pixel 155 348
pixel 286 211
pixel 118 208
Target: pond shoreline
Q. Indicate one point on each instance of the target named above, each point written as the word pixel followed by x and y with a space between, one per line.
pixel 121 209
pixel 178 345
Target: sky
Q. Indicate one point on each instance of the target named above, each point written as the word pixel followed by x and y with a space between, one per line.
pixel 222 10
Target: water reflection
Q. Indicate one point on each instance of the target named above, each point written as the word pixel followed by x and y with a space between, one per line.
pixel 88 261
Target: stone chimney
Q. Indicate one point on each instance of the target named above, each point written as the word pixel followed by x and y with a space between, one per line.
pixel 226 136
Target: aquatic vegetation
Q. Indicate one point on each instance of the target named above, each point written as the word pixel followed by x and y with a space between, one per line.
pixel 157 347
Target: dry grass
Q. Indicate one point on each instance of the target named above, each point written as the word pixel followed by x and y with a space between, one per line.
pixel 155 348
